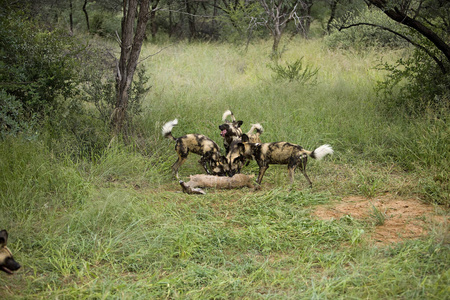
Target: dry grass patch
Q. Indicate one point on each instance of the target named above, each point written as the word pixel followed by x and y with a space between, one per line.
pixel 396 219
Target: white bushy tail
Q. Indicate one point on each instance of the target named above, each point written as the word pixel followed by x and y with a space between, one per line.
pixel 258 127
pixel 167 128
pixel 227 114
pixel 322 151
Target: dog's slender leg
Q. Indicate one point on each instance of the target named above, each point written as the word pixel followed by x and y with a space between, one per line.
pixel 293 163
pixel 207 167
pixel 303 169
pixel 262 170
pixel 183 153
pixel 175 167
pixel 203 161
pixel 307 178
pixel 207 162
pixel 178 164
pixel 291 170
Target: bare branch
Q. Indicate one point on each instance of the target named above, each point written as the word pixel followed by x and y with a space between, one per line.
pixel 154 53
pixel 428 52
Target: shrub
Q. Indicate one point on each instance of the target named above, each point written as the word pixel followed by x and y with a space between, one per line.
pixel 295 71
pixel 415 85
pixel 105 24
pixel 38 65
pixel 97 25
pixel 12 120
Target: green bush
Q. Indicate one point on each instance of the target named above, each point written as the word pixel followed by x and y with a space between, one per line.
pixel 415 84
pixel 295 71
pixel 12 120
pixel 52 78
pixel 96 25
pixel 105 24
pixel 37 65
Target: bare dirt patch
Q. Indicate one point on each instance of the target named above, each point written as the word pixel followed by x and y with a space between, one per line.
pixel 395 219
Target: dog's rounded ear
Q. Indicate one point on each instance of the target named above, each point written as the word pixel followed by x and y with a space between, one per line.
pixel 3 237
pixel 245 138
pixel 239 123
pixel 241 147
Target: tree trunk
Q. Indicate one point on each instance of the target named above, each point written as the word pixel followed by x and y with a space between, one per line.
pixel 129 55
pixel 86 15
pixel 333 7
pixel 277 14
pixel 170 23
pixel 277 30
pixel 153 25
pixel 191 20
pixel 215 33
pixel 276 43
pixel 71 17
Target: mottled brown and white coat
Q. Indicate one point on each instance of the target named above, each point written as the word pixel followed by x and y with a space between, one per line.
pixel 211 159
pixel 231 131
pixel 7 262
pixel 281 153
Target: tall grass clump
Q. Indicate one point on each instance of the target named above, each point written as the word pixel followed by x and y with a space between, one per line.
pixel 33 182
pixel 294 71
pixel 421 146
pixel 125 164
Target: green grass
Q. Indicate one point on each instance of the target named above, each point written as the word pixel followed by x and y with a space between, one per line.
pixel 116 226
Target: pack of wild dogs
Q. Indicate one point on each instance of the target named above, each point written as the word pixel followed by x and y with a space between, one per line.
pixel 224 171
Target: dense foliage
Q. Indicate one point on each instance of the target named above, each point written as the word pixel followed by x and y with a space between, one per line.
pixel 38 66
pixel 414 84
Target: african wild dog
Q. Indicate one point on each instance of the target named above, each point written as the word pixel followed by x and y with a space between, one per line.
pixel 198 144
pixel 231 131
pixel 7 262
pixel 255 137
pixel 281 153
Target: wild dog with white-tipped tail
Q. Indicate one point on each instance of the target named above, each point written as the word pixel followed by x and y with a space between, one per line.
pixel 280 153
pixel 211 159
pixel 231 131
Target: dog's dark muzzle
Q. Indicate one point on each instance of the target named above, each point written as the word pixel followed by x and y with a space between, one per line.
pixel 223 130
pixel 10 265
